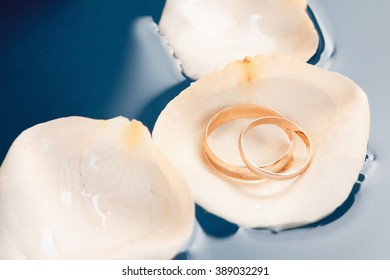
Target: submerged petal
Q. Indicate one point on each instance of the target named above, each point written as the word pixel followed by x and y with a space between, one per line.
pixel 208 34
pixel 331 109
pixel 96 189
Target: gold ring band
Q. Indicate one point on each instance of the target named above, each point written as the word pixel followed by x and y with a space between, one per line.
pixel 286 125
pixel 245 111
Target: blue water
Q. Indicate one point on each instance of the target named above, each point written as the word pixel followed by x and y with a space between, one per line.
pixel 68 57
pixel 101 59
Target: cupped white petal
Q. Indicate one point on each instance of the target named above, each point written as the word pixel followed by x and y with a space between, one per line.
pixel 208 34
pixel 331 109
pixel 91 189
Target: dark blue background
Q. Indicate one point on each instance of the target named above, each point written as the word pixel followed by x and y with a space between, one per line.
pixel 62 57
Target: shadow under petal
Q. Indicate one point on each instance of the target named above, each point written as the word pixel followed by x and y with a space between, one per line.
pixel 181 256
pixel 341 210
pixel 321 44
pixel 213 225
pixel 218 227
pixel 335 215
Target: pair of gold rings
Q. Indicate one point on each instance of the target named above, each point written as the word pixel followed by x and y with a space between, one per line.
pixel 277 169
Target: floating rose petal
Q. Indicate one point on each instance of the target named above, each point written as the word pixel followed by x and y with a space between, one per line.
pixel 331 109
pixel 208 34
pixel 91 189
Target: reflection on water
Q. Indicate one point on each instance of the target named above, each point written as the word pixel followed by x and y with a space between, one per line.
pixel 148 70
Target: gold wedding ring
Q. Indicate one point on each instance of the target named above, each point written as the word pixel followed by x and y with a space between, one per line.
pixel 246 111
pixel 286 125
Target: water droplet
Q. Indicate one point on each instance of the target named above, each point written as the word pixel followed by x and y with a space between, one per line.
pixel 370 157
pixel 93 164
pixel 369 161
pixel 48 245
pixel 85 193
pixel 258 206
pixel 98 211
pixel 66 198
pixel 361 178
